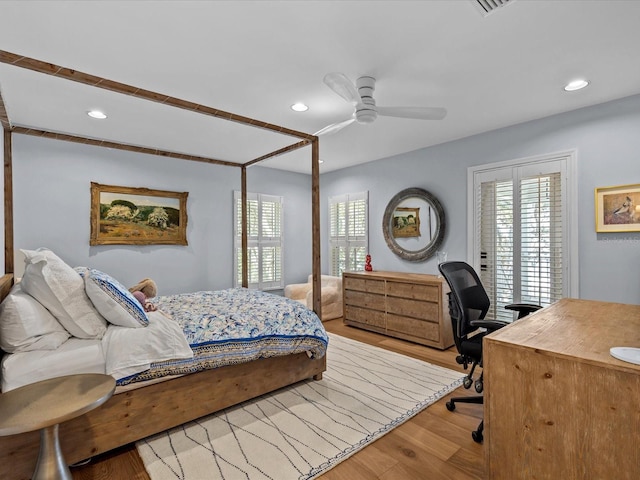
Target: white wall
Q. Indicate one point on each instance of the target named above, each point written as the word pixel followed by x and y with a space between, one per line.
pixel 607 139
pixel 52 209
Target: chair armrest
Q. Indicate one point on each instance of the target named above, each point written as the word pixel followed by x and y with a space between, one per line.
pixel 491 325
pixel 297 291
pixel 523 309
pixel 327 295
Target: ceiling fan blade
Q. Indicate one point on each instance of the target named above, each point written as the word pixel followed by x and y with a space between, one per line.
pixel 331 129
pixel 421 113
pixel 339 83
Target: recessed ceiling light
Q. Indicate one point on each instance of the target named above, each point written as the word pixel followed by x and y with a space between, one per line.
pixel 299 107
pixel 320 160
pixel 575 85
pixel 97 114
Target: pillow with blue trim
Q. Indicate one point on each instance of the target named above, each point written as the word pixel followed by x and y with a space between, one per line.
pixel 112 299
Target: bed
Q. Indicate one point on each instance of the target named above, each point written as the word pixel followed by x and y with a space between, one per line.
pixel 233 345
pixel 154 407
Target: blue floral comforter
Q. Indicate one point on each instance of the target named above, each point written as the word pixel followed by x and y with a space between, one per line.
pixel 236 325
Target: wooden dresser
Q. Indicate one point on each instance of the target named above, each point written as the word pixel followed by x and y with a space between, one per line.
pixel 410 306
pixel 557 405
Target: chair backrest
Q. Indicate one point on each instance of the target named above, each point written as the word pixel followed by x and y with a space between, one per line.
pixel 468 300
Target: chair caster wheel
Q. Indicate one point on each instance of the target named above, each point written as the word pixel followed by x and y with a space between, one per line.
pixel 450 406
pixel 477 436
pixel 479 386
pixel 466 383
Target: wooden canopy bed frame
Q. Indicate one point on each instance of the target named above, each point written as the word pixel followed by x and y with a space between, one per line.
pixel 138 413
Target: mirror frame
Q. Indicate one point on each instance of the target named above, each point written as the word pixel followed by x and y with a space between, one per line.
pixel 436 240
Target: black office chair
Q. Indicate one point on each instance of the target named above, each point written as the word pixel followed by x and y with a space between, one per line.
pixel 468 305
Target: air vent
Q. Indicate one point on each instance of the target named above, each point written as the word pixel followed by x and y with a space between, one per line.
pixel 489 6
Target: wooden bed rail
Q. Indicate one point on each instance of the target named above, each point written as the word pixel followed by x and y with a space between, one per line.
pixel 136 414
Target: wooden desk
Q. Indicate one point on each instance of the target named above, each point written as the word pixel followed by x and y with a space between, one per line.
pixel 44 405
pixel 557 404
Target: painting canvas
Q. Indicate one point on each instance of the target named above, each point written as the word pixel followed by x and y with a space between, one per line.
pixel 618 209
pixel 137 216
pixel 406 222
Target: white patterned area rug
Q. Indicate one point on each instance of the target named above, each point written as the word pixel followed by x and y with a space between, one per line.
pixel 302 431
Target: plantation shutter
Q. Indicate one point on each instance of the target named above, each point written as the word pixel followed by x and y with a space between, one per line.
pixel 348 232
pixel 541 263
pixel 497 245
pixel 520 235
pixel 264 241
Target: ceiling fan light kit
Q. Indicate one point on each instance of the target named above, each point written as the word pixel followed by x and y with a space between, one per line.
pixel 366 111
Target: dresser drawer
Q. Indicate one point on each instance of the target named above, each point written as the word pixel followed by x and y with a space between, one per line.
pixel 366 300
pixel 416 291
pixel 364 285
pixel 365 317
pixel 427 311
pixel 412 327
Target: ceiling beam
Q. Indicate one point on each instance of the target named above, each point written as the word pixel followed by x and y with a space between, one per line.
pixel 281 151
pixel 99 82
pixel 119 146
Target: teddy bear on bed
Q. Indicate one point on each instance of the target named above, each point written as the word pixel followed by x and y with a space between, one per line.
pixel 143 291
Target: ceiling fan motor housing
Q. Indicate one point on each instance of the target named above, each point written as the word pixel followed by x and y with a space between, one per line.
pixel 366 111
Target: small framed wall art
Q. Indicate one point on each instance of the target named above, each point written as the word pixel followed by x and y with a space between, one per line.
pixel 618 208
pixel 137 216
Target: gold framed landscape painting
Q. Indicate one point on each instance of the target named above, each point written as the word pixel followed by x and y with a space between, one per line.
pixel 618 208
pixel 137 216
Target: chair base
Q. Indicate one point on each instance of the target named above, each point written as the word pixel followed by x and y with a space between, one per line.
pixel 477 435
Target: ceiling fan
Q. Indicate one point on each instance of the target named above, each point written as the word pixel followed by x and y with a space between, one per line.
pixel 365 108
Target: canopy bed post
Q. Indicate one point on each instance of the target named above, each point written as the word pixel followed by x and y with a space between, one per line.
pixel 7 279
pixel 315 225
pixel 8 204
pixel 245 260
pixel 8 190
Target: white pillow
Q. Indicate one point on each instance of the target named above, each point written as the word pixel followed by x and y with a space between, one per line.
pixel 112 299
pixel 60 289
pixel 128 351
pixel 25 325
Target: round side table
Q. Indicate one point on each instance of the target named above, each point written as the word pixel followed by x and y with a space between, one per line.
pixel 44 405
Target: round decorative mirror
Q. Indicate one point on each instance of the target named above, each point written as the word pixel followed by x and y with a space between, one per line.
pixel 414 224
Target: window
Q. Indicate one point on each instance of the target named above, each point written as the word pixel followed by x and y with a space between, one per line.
pixel 348 236
pixel 523 242
pixel 264 236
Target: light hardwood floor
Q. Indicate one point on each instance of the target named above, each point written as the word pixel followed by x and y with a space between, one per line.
pixel 435 444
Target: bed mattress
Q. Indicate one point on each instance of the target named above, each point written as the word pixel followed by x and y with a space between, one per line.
pixel 189 333
pixel 236 325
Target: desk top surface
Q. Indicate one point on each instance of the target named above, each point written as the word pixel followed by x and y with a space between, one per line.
pixel 580 329
pixel 42 404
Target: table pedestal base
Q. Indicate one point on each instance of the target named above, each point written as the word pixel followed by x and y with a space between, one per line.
pixel 51 464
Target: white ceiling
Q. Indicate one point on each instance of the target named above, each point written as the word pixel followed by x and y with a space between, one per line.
pixel 256 58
